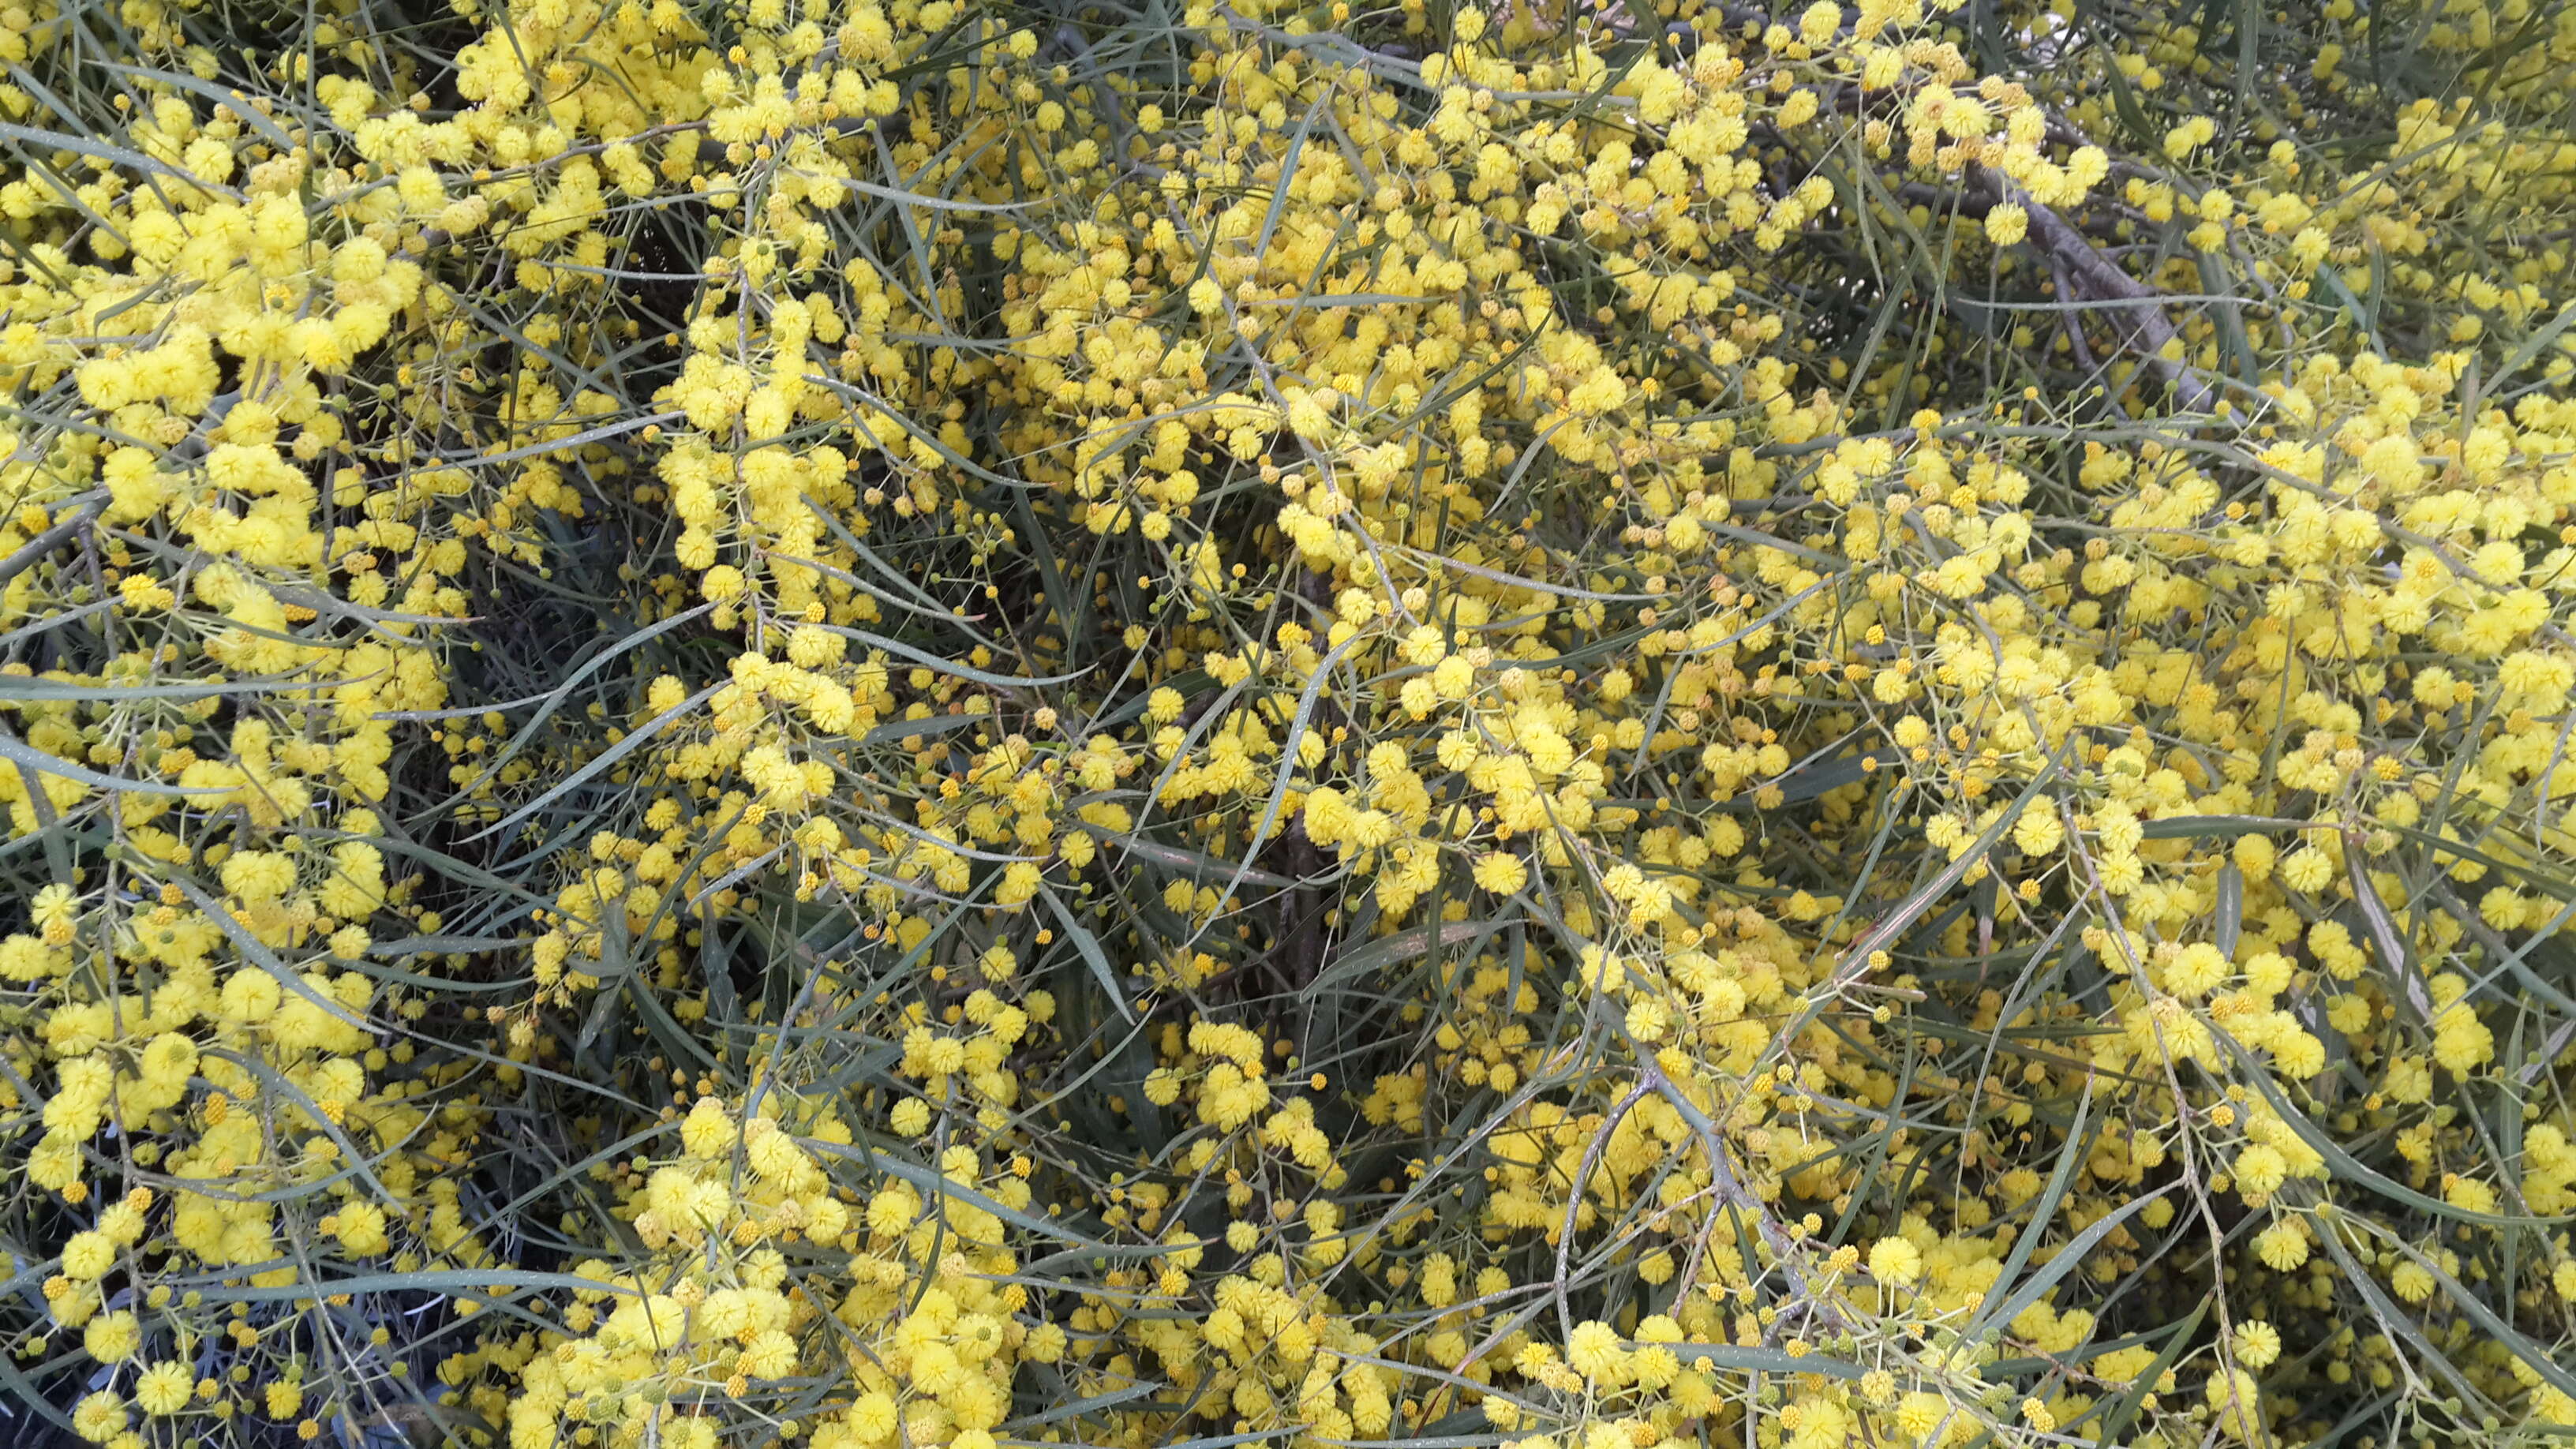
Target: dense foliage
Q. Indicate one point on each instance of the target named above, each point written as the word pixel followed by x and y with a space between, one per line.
pixel 1204 724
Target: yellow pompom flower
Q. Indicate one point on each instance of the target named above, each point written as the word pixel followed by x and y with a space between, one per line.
pixel 2256 1343
pixel 88 1256
pixel 2307 869
pixel 360 1227
pixel 1501 873
pixel 770 1354
pixel 2412 1281
pixel 164 1388
pixel 100 1416
pixel 258 875
pixel 2196 970
pixel 707 1132
pixel 1596 1352
pixel 112 1337
pixel 2259 1170
pixel 1895 1261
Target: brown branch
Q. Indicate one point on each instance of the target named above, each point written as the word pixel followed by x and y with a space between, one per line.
pixel 2093 277
pixel 35 549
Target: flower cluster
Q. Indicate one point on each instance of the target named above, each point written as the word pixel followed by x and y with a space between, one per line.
pixel 921 724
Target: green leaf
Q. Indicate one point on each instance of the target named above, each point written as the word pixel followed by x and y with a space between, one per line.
pixel 31 758
pixel 1092 955
pixel 2118 1413
pixel 1880 936
pixel 1197 865
pixel 2534 345
pixel 1288 752
pixel 2343 1164
pixel 553 699
pixel 1080 1407
pixel 935 1184
pixel 2540 1360
pixel 1740 1359
pixel 2002 1314
pixel 904 729
pixel 2390 1314
pixel 16 688
pixel 2231 909
pixel 938 665
pixel 118 155
pixel 1413 941
pixel 607 759
pixel 2043 1209
pixel 2192 827
pixel 259 954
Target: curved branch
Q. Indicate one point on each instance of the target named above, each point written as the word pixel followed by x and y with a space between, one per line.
pixel 2093 277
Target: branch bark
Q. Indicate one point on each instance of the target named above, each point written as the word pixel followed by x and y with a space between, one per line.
pixel 2090 276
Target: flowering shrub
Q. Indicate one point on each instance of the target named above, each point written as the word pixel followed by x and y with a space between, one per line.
pixel 1582 728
